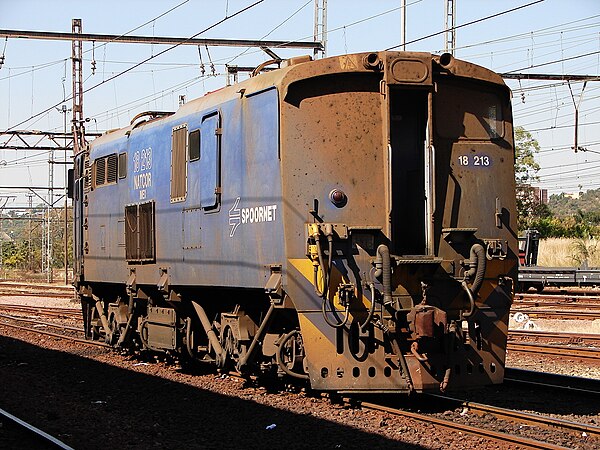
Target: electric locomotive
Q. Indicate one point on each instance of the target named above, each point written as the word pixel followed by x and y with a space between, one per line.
pixel 348 221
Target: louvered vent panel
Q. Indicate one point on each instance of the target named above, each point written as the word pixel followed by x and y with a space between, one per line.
pixel 111 168
pixel 139 233
pixel 100 171
pixel 131 233
pixel 146 221
pixel 86 172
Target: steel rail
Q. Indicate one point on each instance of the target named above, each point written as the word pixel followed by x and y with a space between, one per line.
pixel 581 337
pixel 554 297
pixel 39 322
pixel 36 290
pixel 546 304
pixel 563 314
pixel 47 438
pixel 60 336
pixel 524 417
pixel 547 349
pixel 479 432
pixel 39 308
pixel 23 293
pixel 552 381
pixel 47 310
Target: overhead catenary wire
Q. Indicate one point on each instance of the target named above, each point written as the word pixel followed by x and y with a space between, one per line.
pixel 33 116
pixel 482 19
pixel 52 63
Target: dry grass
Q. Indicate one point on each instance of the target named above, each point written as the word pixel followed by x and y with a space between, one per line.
pixel 562 252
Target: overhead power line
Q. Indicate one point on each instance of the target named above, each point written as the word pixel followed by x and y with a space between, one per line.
pixel 140 63
pixel 554 62
pixel 549 77
pixel 468 23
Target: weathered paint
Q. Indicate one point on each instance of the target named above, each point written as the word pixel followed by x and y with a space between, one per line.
pixel 290 137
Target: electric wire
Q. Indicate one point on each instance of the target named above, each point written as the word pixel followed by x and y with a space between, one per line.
pixel 482 19
pixel 140 63
pixel 52 63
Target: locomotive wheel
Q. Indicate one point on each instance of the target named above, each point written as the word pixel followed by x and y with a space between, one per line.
pixel 230 344
pixel 94 326
pixel 112 336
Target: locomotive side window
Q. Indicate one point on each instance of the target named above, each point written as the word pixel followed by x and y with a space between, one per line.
pixel 473 113
pixel 179 164
pixel 210 177
pixel 194 145
pixel 122 165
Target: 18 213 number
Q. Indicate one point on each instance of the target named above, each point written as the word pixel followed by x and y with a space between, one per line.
pixel 475 160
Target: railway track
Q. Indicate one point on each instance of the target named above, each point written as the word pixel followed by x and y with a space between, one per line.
pixel 464 428
pixel 478 408
pixel 579 314
pixel 36 290
pixel 551 382
pixel 519 418
pixel 74 313
pixel 523 417
pixel 41 438
pixel 591 306
pixel 562 337
pixel 555 350
pixel 37 323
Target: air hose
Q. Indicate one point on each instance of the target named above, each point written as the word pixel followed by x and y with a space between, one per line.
pixel 478 259
pixel 384 269
pixel 477 265
pixel 319 262
pixel 279 359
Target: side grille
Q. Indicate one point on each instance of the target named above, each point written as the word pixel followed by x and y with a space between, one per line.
pixel 139 233
pixel 179 165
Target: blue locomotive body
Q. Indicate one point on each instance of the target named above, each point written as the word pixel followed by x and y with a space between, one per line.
pixel 348 221
pixel 228 213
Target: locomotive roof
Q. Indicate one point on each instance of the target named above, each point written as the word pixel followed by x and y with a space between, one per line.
pixel 297 69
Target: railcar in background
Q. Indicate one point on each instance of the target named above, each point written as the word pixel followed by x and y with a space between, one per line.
pixel 538 277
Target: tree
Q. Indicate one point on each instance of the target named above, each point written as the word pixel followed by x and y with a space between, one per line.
pixel 526 169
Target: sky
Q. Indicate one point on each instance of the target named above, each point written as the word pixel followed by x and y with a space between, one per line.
pixel 550 37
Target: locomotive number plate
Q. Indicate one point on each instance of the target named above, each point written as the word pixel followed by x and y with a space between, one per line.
pixel 475 160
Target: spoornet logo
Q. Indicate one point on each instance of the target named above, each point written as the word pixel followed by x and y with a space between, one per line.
pixel 252 215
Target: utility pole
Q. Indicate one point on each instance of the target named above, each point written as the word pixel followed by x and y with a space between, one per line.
pixel 450 44
pixel 320 34
pixel 561 77
pixel 77 120
pixel 30 207
pixel 403 20
pixel 64 112
pixel 49 208
pixel 4 199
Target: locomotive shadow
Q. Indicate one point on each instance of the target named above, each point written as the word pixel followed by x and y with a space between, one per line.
pixel 92 405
